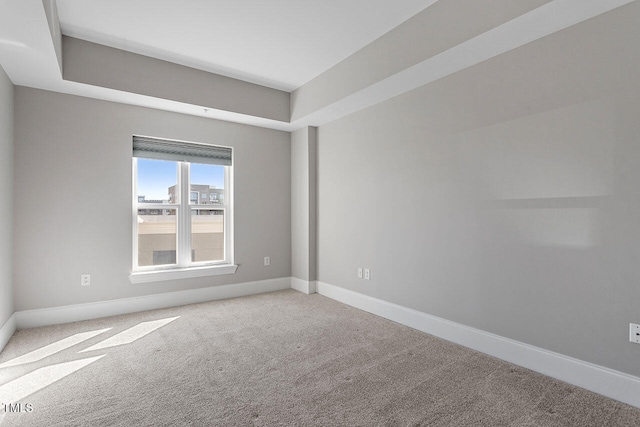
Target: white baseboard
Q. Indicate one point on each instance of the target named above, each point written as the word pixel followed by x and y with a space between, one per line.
pixel 307 287
pixel 607 382
pixel 7 330
pixel 73 313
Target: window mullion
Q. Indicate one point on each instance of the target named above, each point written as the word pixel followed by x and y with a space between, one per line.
pixel 184 217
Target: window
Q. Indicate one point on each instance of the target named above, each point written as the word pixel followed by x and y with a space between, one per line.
pixel 175 229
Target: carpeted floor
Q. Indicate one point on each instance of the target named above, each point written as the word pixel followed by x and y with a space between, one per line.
pixel 283 358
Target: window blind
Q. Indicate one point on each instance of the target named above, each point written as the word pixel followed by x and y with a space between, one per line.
pixel 164 149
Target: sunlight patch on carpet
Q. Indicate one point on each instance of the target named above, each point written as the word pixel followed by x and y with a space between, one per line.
pixel 132 334
pixel 50 349
pixel 26 385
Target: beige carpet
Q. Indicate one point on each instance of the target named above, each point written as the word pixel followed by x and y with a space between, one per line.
pixel 282 358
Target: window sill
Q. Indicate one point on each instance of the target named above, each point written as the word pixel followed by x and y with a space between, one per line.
pixel 181 273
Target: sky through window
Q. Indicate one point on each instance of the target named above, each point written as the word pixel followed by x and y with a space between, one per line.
pixel 156 176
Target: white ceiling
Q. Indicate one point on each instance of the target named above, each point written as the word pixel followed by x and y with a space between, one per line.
pixel 278 43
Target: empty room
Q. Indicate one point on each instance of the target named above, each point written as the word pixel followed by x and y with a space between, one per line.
pixel 320 212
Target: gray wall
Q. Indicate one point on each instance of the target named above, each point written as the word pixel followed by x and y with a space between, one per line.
pixel 6 192
pixel 505 197
pixel 99 65
pixel 73 197
pixel 303 203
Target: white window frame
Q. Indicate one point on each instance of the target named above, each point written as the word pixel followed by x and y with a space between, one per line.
pixel 184 267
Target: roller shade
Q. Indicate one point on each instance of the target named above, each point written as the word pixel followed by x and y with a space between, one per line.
pixel 164 149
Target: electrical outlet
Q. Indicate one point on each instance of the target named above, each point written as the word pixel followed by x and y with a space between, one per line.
pixel 367 274
pixel 267 260
pixel 359 273
pixel 85 280
pixel 634 333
